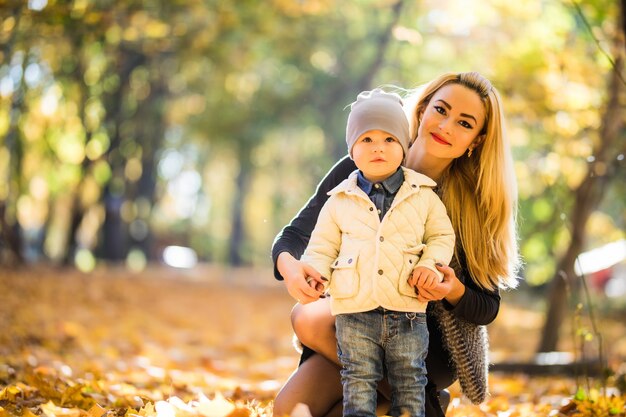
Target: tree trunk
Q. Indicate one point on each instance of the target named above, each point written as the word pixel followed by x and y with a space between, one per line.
pixel 150 133
pixel 77 212
pixel 238 234
pixel 589 194
pixel 114 242
pixel 10 227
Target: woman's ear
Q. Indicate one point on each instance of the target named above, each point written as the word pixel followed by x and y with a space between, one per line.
pixel 479 139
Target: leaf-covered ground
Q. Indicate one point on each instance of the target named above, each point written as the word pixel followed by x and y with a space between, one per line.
pixel 211 342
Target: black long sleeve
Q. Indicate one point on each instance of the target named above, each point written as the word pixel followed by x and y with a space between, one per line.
pixel 294 237
pixel 477 306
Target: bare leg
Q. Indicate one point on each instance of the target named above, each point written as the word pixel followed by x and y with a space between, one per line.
pixel 316 383
pixel 314 326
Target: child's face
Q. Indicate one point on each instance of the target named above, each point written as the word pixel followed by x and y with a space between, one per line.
pixel 377 154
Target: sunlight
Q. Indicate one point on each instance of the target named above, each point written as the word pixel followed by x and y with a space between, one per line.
pixel 84 260
pixel 49 103
pixel 601 258
pixel 6 87
pixel 37 5
pixel 180 257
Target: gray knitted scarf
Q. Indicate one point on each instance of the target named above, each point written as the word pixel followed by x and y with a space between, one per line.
pixel 468 344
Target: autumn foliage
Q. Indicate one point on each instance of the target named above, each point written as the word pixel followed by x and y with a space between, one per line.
pixel 211 343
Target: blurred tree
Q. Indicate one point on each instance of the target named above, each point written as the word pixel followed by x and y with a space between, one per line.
pixel 9 226
pixel 127 126
pixel 606 165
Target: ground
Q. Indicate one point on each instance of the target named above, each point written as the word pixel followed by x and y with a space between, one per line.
pixel 210 342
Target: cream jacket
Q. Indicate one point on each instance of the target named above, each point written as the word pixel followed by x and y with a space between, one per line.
pixel 368 261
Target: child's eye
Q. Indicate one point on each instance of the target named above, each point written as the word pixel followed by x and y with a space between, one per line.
pixel 367 139
pixel 389 139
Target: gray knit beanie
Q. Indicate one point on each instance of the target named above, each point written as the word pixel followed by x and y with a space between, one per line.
pixel 377 110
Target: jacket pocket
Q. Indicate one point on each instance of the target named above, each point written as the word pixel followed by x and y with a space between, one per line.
pixel 344 282
pixel 410 258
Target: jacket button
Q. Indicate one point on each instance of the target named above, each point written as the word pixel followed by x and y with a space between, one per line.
pixel 382 239
pixel 350 260
pixel 413 185
pixel 380 272
pixel 371 208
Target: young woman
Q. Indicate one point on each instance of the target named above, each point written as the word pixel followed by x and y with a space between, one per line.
pixel 457 123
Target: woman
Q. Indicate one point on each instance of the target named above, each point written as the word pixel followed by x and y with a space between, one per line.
pixel 457 123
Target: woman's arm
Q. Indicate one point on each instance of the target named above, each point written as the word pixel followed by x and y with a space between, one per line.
pixel 475 304
pixel 464 298
pixel 294 237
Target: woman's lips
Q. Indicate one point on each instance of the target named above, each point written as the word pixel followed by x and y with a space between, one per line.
pixel 439 139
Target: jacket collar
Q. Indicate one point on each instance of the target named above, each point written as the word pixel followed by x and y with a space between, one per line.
pixel 391 184
pixel 413 179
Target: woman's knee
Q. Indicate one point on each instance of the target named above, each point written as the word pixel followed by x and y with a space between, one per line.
pixel 312 321
pixel 302 324
pixel 283 405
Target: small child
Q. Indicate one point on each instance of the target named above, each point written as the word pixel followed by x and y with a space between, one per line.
pixel 381 227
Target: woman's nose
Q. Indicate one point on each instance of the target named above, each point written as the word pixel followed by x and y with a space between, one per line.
pixel 444 125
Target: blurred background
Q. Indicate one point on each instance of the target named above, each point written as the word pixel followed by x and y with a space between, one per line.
pixel 186 133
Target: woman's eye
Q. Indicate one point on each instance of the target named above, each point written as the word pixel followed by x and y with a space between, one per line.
pixel 465 124
pixel 440 110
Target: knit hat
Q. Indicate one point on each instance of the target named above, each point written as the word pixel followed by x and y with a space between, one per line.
pixel 377 110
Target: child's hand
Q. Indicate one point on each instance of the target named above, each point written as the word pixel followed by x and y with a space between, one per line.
pixel 317 283
pixel 423 277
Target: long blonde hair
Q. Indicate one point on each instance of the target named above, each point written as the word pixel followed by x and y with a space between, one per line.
pixel 480 191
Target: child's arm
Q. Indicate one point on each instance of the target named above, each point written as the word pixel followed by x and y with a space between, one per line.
pixel 438 235
pixel 323 246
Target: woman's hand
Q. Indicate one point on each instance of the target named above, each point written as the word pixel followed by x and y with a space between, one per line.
pixel 303 282
pixel 449 288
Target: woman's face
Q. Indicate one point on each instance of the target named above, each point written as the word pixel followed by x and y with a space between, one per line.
pixel 451 122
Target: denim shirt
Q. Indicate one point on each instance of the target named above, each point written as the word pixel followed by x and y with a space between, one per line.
pixel 382 193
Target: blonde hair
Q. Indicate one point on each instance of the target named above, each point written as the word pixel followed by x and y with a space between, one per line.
pixel 480 192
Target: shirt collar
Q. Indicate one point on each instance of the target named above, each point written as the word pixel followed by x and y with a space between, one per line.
pixel 391 184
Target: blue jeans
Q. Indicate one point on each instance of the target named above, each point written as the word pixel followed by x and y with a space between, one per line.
pixel 378 341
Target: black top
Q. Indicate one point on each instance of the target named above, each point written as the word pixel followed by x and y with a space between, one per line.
pixel 477 306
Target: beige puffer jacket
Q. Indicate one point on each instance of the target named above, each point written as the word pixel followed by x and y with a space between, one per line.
pixel 368 261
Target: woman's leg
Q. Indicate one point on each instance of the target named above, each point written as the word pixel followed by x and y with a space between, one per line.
pixel 316 383
pixel 314 326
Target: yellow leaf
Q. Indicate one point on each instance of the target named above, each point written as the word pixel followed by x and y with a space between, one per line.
pixel 51 410
pixel 146 411
pixel 240 412
pixel 96 411
pixel 218 407
pixel 10 393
